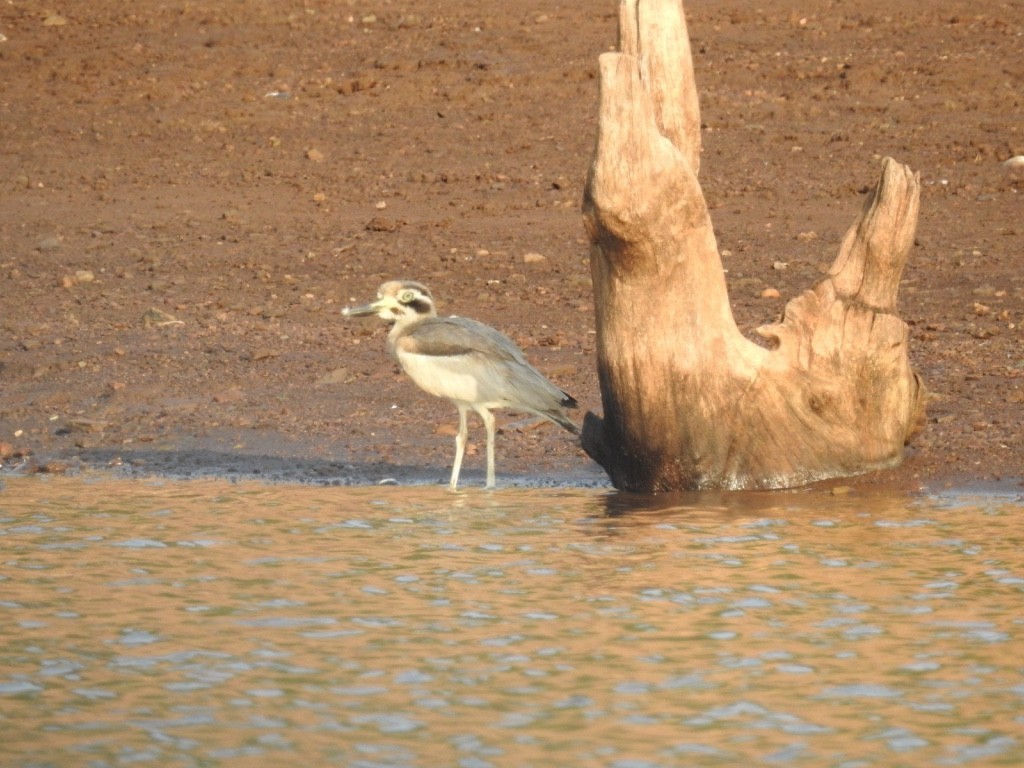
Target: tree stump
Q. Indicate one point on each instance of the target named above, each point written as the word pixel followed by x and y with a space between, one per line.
pixel 689 402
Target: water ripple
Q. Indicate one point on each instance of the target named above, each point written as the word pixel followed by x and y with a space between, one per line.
pixel 207 623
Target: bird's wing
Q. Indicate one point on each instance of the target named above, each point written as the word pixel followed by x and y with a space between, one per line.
pixel 500 374
pixel 458 336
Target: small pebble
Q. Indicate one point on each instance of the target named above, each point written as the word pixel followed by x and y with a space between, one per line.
pixel 230 395
pixel 79 426
pixel 337 376
pixel 157 318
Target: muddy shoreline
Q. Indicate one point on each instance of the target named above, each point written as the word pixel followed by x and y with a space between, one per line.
pixel 190 195
pixel 288 466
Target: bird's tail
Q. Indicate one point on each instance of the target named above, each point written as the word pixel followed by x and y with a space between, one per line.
pixel 564 422
pixel 560 418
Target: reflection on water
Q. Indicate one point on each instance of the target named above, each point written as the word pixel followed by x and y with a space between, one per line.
pixel 218 624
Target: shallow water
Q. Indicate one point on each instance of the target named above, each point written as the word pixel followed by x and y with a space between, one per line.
pixel 208 623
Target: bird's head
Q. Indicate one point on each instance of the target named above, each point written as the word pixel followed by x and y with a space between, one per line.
pixel 398 301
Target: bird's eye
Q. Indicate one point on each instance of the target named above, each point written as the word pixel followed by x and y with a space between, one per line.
pixel 407 297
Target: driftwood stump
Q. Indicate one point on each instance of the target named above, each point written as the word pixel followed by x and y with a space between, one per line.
pixel 689 402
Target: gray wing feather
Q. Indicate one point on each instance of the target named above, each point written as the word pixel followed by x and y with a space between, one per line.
pixel 455 336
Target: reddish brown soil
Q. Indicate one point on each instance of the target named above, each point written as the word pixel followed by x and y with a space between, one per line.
pixel 250 168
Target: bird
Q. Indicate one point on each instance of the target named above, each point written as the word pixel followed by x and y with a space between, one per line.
pixel 470 364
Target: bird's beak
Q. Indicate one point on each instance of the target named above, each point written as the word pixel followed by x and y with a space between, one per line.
pixel 363 311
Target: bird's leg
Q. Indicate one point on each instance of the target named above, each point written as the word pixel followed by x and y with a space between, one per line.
pixel 488 419
pixel 460 446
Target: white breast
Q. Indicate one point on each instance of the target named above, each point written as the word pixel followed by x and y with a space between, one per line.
pixel 440 376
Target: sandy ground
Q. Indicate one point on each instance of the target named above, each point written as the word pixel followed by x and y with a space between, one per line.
pixel 189 193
